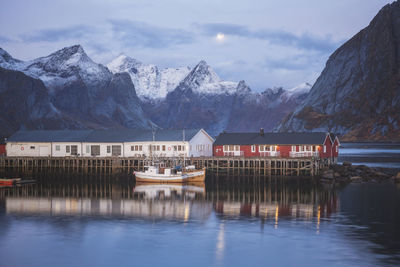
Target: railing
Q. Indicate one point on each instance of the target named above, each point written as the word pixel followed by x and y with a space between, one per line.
pixel 234 154
pixel 303 154
pixel 270 154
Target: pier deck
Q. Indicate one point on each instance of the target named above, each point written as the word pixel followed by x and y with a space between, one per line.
pixel 263 165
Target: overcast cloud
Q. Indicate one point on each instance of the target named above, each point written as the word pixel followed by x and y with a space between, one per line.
pixel 266 43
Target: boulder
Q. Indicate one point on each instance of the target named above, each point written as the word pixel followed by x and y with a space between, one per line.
pixel 356 178
pixel 347 163
pixel 328 174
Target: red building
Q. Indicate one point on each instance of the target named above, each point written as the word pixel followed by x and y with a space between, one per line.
pixel 2 149
pixel 286 145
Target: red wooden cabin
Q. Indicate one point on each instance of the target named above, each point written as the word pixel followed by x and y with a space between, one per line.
pixel 2 149
pixel 286 145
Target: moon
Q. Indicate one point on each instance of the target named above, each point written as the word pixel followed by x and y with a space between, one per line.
pixel 220 37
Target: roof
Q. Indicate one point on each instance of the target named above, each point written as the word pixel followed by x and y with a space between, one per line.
pixel 317 138
pixel 101 136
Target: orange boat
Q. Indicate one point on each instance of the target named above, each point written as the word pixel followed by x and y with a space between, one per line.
pixel 9 181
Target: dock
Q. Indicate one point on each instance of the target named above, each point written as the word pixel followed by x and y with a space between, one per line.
pixel 267 166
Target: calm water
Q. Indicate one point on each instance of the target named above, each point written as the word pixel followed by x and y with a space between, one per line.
pixel 100 220
pixel 371 154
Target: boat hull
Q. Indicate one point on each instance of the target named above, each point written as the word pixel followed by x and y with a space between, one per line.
pixel 191 177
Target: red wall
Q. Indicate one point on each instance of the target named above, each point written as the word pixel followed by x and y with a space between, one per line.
pixel 2 149
pixel 284 150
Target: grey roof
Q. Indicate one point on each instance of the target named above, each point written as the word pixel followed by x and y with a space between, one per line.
pixel 312 138
pixel 101 136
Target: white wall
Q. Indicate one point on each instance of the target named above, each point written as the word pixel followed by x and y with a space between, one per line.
pixel 169 149
pixel 103 149
pixel 25 149
pixel 62 152
pixel 201 145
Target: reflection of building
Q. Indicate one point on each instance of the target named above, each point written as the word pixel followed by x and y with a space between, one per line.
pixel 147 209
pixel 274 210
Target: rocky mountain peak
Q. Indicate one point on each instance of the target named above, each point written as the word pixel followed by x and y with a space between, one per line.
pixel 122 63
pixel 243 88
pixel 201 74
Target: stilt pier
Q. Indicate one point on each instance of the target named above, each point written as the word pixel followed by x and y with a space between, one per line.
pixel 268 166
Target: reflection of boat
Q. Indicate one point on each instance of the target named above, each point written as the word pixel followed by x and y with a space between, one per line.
pixel 153 191
pixel 156 174
pixel 9 181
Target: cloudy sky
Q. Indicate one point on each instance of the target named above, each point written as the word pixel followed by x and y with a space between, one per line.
pixel 267 43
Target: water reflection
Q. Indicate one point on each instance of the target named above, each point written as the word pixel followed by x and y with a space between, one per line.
pixel 264 198
pixel 224 220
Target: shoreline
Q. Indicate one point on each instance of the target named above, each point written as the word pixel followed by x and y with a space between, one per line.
pixel 349 173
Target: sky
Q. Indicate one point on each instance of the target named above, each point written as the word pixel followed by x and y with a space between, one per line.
pixel 267 43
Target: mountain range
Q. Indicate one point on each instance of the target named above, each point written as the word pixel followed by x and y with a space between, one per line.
pixel 129 94
pixel 356 96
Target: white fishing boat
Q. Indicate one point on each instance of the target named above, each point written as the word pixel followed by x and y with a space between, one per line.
pixel 156 174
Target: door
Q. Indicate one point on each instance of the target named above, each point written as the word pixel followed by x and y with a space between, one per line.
pixel 43 151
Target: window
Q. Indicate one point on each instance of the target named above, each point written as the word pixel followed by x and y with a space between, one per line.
pixel 108 149
pixel 163 148
pixel 32 147
pixel 179 148
pixel 308 148
pixel 87 149
pixel 140 148
pixel 261 148
pixel 176 148
pixel 57 148
pixel 253 148
pixel 324 149
pixel 95 150
pixel 183 148
pixel 336 148
pixel 74 150
pixel 132 148
pixel 294 148
pixel 226 148
pixel 116 150
pixel 68 149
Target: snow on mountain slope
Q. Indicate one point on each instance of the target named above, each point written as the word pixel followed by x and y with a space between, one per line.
pixel 203 80
pixel 150 82
pixel 66 65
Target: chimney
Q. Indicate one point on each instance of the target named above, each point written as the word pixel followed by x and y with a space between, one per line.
pixel 262 131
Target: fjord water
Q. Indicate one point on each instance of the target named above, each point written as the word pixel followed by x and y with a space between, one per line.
pixel 98 219
pixel 385 155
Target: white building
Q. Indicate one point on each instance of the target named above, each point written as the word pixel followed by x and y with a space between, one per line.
pixel 110 143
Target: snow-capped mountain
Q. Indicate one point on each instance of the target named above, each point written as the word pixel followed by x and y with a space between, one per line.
pixel 63 67
pixel 151 83
pixel 203 80
pixel 128 93
pixel 84 90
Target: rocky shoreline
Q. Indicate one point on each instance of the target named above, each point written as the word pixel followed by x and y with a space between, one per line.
pixel 358 173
